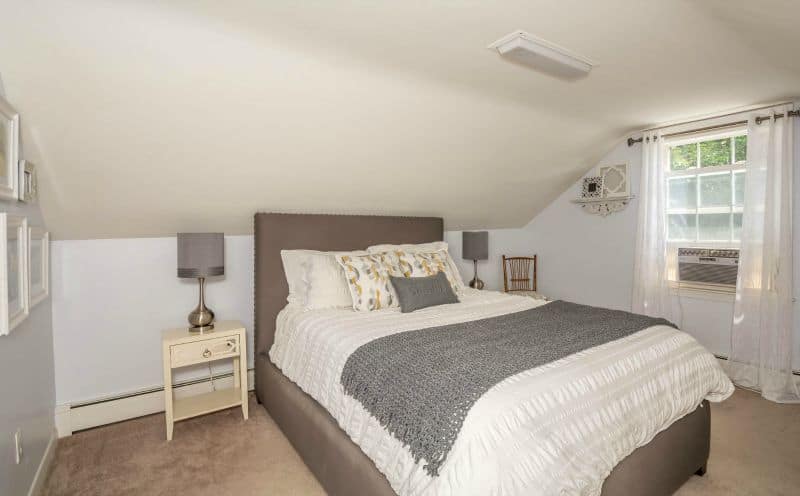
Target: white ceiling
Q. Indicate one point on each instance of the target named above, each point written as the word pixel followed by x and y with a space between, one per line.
pixel 151 117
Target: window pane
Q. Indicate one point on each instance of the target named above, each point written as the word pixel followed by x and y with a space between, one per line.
pixel 716 152
pixel 738 188
pixel 682 226
pixel 737 227
pixel 714 227
pixel 683 192
pixel 740 144
pixel 715 190
pixel 683 157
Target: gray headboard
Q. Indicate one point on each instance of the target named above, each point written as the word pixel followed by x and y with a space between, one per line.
pixel 275 232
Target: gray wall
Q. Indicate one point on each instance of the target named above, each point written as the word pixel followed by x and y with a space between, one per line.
pixel 581 257
pixel 26 385
pixel 589 259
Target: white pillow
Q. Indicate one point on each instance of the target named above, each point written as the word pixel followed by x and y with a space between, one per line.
pixel 294 270
pixel 326 285
pixel 422 247
pixel 437 246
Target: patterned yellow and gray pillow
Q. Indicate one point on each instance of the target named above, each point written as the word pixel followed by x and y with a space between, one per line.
pixel 368 274
pixel 368 279
pixel 423 264
pixel 440 248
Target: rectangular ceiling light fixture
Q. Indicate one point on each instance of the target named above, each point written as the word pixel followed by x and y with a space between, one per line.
pixel 526 49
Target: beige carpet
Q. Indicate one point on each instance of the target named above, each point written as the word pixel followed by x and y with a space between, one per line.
pixel 755 450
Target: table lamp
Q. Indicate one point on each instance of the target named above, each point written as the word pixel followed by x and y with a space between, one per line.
pixel 475 246
pixel 201 255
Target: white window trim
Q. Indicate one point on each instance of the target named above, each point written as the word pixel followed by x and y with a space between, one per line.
pixel 698 171
pixel 712 291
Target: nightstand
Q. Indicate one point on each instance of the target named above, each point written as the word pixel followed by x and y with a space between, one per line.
pixel 181 348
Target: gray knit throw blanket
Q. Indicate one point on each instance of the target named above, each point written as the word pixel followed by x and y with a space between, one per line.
pixel 421 384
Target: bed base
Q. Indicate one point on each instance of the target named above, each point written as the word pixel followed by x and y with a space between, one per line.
pixel 657 469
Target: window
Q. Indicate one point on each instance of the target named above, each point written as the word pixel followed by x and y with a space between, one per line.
pixel 705 189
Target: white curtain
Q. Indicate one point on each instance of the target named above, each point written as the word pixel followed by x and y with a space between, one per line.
pixel 651 291
pixel 761 335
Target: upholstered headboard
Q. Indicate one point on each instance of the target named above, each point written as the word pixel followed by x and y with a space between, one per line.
pixel 275 232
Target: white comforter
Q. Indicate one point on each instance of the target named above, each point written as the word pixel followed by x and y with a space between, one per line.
pixel 556 429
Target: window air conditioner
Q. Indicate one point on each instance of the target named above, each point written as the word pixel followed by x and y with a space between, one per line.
pixel 708 266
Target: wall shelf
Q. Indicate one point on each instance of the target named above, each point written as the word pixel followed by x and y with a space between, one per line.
pixel 603 206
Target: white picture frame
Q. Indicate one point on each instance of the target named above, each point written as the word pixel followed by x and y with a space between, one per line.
pixel 14 304
pixel 28 182
pixel 9 151
pixel 616 182
pixel 38 265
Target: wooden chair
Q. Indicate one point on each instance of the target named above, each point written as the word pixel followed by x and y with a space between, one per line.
pixel 519 275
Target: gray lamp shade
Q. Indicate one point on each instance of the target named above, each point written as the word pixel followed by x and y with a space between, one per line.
pixel 201 254
pixel 475 245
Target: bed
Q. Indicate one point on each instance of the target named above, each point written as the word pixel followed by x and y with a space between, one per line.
pixel 658 467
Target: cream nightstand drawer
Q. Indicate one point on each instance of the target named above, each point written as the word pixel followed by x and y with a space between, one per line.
pixel 179 348
pixel 204 351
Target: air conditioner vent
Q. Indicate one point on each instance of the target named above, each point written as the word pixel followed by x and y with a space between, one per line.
pixel 708 266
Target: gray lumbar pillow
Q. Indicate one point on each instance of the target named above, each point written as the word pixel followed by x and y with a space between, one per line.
pixel 414 293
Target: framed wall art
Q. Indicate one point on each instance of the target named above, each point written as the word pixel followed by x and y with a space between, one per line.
pixel 592 187
pixel 28 185
pixel 615 180
pixel 38 265
pixel 9 151
pixel 14 306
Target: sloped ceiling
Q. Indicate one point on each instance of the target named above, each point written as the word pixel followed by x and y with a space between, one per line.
pixel 151 117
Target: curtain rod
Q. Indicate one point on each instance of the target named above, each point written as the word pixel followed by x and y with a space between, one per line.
pixel 759 120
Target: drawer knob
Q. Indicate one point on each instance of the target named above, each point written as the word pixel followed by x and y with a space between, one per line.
pixel 206 353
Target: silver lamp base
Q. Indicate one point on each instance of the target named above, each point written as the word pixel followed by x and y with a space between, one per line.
pixel 476 283
pixel 201 318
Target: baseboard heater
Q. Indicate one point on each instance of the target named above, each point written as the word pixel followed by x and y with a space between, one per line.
pixel 107 410
pixel 723 357
pixel 188 382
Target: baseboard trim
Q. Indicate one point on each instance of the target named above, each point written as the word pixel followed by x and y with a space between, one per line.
pixel 63 423
pixel 723 358
pixel 37 486
pixel 125 406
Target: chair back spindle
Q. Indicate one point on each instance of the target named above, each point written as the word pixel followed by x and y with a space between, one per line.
pixel 519 273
